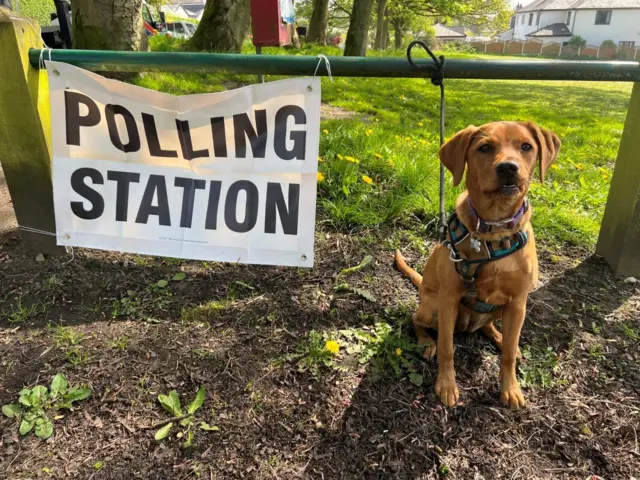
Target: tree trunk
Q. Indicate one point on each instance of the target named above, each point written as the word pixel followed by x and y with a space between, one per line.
pixel 223 26
pixel 385 33
pixel 108 25
pixel 317 31
pixel 382 11
pixel 357 36
pixel 398 33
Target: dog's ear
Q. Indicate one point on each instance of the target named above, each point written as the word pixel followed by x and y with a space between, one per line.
pixel 453 154
pixel 548 147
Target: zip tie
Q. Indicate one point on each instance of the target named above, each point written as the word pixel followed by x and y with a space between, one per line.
pixel 66 236
pixel 41 61
pixel 320 58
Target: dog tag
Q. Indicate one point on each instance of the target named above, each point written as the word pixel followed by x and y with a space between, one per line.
pixel 475 244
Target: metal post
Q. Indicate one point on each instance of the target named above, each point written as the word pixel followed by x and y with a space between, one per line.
pixel 619 241
pixel 259 52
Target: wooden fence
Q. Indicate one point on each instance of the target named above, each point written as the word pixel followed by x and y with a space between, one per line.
pixel 555 49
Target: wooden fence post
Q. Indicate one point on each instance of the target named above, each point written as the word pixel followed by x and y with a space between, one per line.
pixel 619 241
pixel 25 131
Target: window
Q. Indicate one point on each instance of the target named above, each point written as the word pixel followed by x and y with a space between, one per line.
pixel 603 17
pixel 531 19
pixel 538 19
pixel 179 28
pixel 568 18
pixel 522 19
pixel 627 44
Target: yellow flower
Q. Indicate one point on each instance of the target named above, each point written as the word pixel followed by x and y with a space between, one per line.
pixel 351 159
pixel 320 177
pixel 368 132
pixel 340 157
pixel 398 351
pixel 377 155
pixel 390 163
pixel 555 167
pixel 320 159
pixel 420 124
pixel 397 137
pixel 402 97
pixel 408 139
pixel 367 179
pixel 579 166
pixel 325 131
pixel 332 346
pixel 423 141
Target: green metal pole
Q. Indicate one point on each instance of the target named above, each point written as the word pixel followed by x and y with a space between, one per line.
pixel 342 66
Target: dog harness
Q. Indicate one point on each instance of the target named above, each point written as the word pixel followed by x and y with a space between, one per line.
pixel 470 254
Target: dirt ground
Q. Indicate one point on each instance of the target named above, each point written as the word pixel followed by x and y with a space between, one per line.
pixel 103 320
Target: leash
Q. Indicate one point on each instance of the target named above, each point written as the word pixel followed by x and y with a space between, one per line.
pixel 437 79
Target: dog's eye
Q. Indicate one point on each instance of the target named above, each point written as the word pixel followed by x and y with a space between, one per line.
pixel 525 147
pixel 486 148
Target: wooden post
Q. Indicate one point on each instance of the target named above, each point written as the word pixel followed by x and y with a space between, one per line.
pixel 619 241
pixel 25 131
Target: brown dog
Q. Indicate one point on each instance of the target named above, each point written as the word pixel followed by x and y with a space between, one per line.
pixel 486 268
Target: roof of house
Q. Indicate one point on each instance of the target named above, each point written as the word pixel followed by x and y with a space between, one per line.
pixel 554 30
pixel 442 31
pixel 538 5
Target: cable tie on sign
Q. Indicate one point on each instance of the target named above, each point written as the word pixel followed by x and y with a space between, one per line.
pixel 41 60
pixel 320 58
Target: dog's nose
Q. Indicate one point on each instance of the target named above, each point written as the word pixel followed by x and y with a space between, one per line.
pixel 507 169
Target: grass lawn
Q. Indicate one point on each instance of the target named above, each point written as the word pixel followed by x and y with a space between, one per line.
pixel 392 138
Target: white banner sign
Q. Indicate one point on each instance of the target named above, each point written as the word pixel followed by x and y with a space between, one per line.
pixel 227 176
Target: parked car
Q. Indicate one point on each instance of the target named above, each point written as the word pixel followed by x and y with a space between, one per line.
pixel 180 30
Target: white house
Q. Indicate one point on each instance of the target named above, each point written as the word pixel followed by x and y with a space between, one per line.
pixel 188 9
pixel 593 20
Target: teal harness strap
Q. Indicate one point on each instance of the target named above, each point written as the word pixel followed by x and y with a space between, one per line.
pixel 470 269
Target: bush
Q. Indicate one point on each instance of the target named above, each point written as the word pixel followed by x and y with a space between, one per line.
pixel 608 44
pixel 457 47
pixel 577 41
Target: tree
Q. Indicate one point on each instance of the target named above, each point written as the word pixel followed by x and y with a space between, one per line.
pixel 223 26
pixel 357 36
pixel 108 25
pixel 317 32
pixel 380 42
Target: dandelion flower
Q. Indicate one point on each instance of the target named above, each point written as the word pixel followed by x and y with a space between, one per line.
pixel 398 351
pixel 377 155
pixel 332 346
pixel 325 131
pixel 368 132
pixel 555 167
pixel 579 166
pixel 351 159
pixel 420 124
pixel 320 177
pixel 367 179
pixel 340 157
pixel 320 159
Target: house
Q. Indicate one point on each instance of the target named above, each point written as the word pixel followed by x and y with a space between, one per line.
pixel 593 20
pixel 448 34
pixel 505 36
pixel 189 9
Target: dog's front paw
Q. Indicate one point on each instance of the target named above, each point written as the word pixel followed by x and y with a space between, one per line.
pixel 447 390
pixel 430 350
pixel 513 398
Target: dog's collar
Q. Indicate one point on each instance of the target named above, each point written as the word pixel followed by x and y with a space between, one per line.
pixel 487 226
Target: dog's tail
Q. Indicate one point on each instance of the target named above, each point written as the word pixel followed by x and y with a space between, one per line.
pixel 401 264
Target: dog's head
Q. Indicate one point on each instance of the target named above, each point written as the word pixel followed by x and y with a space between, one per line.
pixel 500 158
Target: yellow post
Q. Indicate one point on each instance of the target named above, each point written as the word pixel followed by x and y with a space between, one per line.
pixel 619 241
pixel 25 119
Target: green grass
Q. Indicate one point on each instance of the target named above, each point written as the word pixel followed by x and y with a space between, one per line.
pixel 393 138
